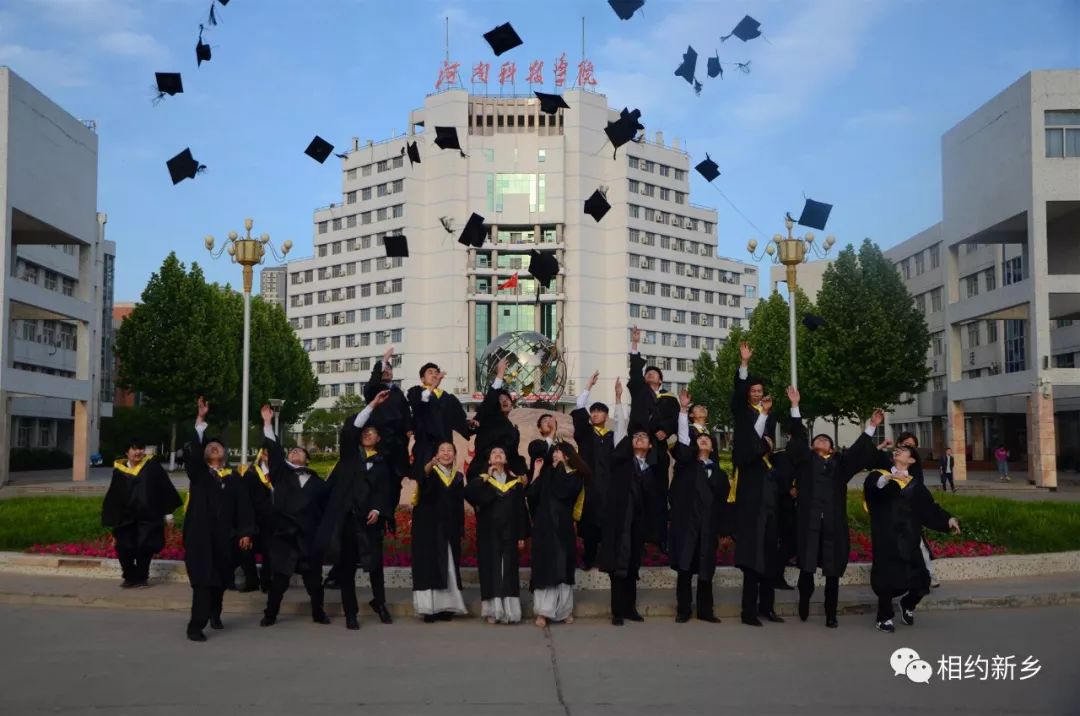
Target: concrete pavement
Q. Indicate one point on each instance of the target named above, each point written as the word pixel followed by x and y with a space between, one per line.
pixel 81 661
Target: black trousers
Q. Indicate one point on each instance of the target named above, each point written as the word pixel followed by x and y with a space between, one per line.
pixel 623 596
pixel 832 592
pixel 909 601
pixel 280 583
pixel 758 593
pixel 590 539
pixel 134 565
pixel 205 603
pixel 704 596
pixel 345 574
pixel 947 476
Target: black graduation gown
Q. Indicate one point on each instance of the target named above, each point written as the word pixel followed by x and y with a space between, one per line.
pixel 882 460
pixel 756 527
pixel 219 513
pixel 540 449
pixel 358 484
pixel 596 450
pixel 501 520
pixel 495 430
pixel 298 512
pixel 897 517
pixel 262 504
pixel 783 472
pixel 393 420
pixel 821 483
pixel 624 513
pixel 656 413
pixel 698 495
pixel 438 521
pixel 434 422
pixel 136 503
pixel 554 544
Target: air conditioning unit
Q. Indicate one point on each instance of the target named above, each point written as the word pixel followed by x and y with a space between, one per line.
pixel 687 224
pixel 659 219
pixel 971 358
pixel 643 262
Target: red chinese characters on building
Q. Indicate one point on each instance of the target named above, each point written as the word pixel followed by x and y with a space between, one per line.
pixel 507 73
pixel 536 72
pixel 585 74
pixel 560 71
pixel 448 74
pixel 480 72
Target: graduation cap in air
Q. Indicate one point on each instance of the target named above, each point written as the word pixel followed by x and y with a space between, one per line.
pixel 414 153
pixel 168 83
pixel 551 103
pixel 747 29
pixel 543 266
pixel 474 232
pixel 689 65
pixel 446 138
pixel 319 149
pixel 708 168
pixel 396 246
pixel 597 205
pixel 502 38
pixel 625 9
pixel 815 214
pixel 813 322
pixel 183 166
pixel 202 50
pixel 624 129
pixel 714 68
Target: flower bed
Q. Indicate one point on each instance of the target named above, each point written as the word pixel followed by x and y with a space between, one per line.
pixel 397 549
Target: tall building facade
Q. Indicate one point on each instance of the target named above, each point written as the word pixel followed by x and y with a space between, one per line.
pixel 651 261
pixel 999 282
pixel 273 285
pixel 56 369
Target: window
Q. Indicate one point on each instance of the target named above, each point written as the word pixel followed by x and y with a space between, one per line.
pixel 751 291
pixel 1065 360
pixel 1014 346
pixel 935 300
pixel 991 332
pixel 69 286
pixel 991 279
pixel 920 303
pixel 381 215
pixel 365 193
pixel 1062 133
pixel 399 161
pixel 383 166
pixel 920 264
pixel 971 285
pixel 541 155
pixel 633 162
pixel 324 226
pixel 322 250
pixel 665 170
pixel 973 335
pixel 937 343
pixel 534 186
pixel 905 268
pixel 1012 271
pixel 350 198
pixel 350 222
pixel 365 218
pixel 680 175
pixel 350 175
pixel 935 256
pixel 365 170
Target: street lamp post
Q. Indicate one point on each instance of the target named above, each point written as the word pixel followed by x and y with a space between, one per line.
pixel 791 252
pixel 248 252
pixel 276 404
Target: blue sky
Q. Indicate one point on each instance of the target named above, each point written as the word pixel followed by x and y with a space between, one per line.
pixel 846 101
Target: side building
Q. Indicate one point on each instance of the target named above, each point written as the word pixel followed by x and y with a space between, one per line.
pixel 651 261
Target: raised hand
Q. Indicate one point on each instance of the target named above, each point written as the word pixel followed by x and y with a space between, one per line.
pixel 500 369
pixel 877 418
pixel 592 380
pixel 439 378
pixel 635 337
pixel 204 408
pixel 766 404
pixel 684 399
pixel 267 414
pixel 954 525
pixel 538 467
pixel 380 398
pixel 387 355
pixel 745 353
pixel 245 543
pixel 793 395
pixel 618 390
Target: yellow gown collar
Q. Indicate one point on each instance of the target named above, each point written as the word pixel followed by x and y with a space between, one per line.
pixel 122 466
pixel 500 486
pixel 438 392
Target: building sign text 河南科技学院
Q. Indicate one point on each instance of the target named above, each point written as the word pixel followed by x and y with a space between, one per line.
pixel 450 73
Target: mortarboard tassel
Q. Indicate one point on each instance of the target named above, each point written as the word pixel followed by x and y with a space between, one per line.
pixel 697 87
pixel 341 156
pixel 212 20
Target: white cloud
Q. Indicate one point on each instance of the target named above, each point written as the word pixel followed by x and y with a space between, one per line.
pixel 91 15
pixel 43 67
pixel 132 44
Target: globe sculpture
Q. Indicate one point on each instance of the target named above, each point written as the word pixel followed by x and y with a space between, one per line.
pixel 535 371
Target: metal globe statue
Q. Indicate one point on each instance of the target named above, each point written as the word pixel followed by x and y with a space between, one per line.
pixel 535 371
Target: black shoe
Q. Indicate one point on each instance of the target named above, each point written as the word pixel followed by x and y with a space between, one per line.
pixel 445 616
pixel 831 622
pixel 635 617
pixel 330 583
pixel 773 617
pixel 907 616
pixel 380 609
pixel 711 618
pixel 616 621
pixel 352 623
pixel 196 636
pixel 804 609
pixel 886 626
pixel 215 623
pixel 320 618
pixel 682 618
pixel 248 587
pixel 781 583
pixel 143 584
pixel 430 619
pixel 751 621
pixel 127 584
pixel 267 621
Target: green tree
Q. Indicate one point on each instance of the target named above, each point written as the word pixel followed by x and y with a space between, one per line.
pixel 872 352
pixel 321 428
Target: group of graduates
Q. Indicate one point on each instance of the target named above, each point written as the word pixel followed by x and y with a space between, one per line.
pixel 654 478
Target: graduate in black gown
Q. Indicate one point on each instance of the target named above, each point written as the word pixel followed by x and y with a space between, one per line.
pixel 300 497
pixel 392 418
pixel 699 492
pixel 756 525
pixel 497 495
pixel 351 533
pixel 596 443
pixel 900 507
pixel 494 428
pixel 261 495
pixel 783 474
pixel 884 461
pixel 541 448
pixel 624 523
pixel 139 497
pixel 821 479
pixel 659 413
pixel 219 519
pixel 437 415
pixel 552 493
pixel 438 523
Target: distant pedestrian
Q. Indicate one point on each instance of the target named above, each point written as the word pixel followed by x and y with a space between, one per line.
pixel 1001 455
pixel 946 468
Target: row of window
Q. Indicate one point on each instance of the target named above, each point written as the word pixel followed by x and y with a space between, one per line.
pixel 664 217
pixel 366 217
pixel 385 189
pixel 1062 133
pixel 693 318
pixel 694 295
pixel 51 333
pixel 382 263
pixel 35 433
pixel 346 317
pixel 662 169
pixel 346 293
pixel 352 365
pixel 31 368
pixel 651 263
pixel 354 340
pixel 648 238
pixel 509 122
pixel 41 276
pixel 383 166
pixel 646 189
pixel 919 260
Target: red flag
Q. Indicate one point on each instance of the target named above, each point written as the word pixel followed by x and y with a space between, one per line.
pixel 510 282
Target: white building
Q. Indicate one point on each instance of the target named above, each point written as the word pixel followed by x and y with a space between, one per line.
pixel 57 268
pixel 273 284
pixel 999 282
pixel 651 261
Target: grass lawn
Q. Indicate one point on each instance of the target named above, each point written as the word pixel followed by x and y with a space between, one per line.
pixel 26 521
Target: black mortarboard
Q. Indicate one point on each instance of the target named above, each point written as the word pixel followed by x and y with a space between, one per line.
pixel 747 29
pixel 550 103
pixel 474 232
pixel 624 128
pixel 708 168
pixel 414 153
pixel 446 138
pixel 597 205
pixel 815 214
pixel 714 68
pixel 625 9
pixel 319 149
pixel 202 50
pixel 168 83
pixel 813 322
pixel 689 65
pixel 183 166
pixel 396 246
pixel 543 266
pixel 502 38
